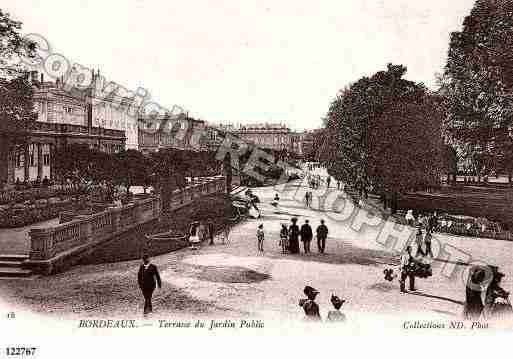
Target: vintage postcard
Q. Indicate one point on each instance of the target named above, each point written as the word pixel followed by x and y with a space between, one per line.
pixel 224 176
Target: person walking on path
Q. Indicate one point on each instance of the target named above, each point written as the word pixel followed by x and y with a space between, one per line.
pixel 148 279
pixel 210 225
pixel 419 242
pixel 260 237
pixel 284 238
pixel 328 181
pixel 294 237
pixel 322 234
pixel 406 270
pixel 309 306
pixel 276 203
pixel 307 199
pixel 306 236
pixel 427 243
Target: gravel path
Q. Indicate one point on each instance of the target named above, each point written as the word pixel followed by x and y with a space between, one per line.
pixel 234 279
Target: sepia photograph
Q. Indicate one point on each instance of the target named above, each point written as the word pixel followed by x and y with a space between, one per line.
pixel 198 171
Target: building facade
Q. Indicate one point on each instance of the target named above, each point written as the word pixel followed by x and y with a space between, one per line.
pixel 171 131
pixel 62 118
pixel 272 136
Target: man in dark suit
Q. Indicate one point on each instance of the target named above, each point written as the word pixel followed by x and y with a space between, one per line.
pixel 306 236
pixel 148 279
pixel 322 234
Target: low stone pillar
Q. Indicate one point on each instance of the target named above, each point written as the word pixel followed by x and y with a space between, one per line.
pixel 41 243
pixel 116 219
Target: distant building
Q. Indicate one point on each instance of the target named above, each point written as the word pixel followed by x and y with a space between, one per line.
pixel 272 136
pixel 171 131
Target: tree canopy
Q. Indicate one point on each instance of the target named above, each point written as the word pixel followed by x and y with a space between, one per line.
pixel 383 132
pixel 478 86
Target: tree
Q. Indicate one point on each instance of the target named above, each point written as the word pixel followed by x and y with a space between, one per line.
pixel 16 105
pixel 133 168
pixel 383 132
pixel 478 85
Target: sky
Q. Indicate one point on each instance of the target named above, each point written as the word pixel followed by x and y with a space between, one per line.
pixel 246 61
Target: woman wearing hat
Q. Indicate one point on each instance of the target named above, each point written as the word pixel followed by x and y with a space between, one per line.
pixel 194 238
pixel 309 306
pixel 294 237
pixel 336 315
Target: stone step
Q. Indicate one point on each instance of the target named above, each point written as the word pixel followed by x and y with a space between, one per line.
pixel 10 264
pixel 7 272
pixel 13 257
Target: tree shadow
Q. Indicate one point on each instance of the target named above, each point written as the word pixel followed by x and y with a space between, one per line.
pixel 420 294
pixel 345 253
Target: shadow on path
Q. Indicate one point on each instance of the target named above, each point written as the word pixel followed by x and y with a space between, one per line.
pixel 346 253
pixel 420 294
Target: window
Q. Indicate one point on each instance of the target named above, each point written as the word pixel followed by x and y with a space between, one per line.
pixel 20 159
pixel 46 159
pixel 32 159
pixel 68 110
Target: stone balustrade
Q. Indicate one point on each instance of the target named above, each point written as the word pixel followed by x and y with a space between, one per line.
pixel 51 245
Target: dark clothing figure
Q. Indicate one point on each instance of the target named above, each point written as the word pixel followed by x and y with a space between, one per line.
pixel 322 234
pixel 211 232
pixel 148 278
pixel 427 244
pixel 311 309
pixel 473 307
pixel 309 306
pixel 294 238
pixel 306 236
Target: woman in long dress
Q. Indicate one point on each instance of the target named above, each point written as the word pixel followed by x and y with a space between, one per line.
pixel 473 307
pixel 194 239
pixel 294 237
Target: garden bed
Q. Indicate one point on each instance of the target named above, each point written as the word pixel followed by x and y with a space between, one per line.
pixel 133 244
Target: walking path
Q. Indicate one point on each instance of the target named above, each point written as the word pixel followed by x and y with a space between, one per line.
pixel 236 279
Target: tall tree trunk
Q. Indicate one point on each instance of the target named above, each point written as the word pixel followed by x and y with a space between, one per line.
pixel 4 162
pixel 394 203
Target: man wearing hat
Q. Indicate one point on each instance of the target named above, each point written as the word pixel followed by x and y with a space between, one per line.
pixel 309 306
pixel 306 236
pixel 148 278
pixel 405 268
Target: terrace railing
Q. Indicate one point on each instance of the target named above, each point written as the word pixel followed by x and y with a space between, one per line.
pixel 48 243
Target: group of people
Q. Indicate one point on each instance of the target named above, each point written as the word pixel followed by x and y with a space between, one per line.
pixel 423 242
pixel 314 181
pixel 311 308
pixel 200 231
pixel 484 295
pixel 292 234
pixel 45 182
pixel 428 221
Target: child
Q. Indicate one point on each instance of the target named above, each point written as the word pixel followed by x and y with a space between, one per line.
pixel 336 315
pixel 260 237
pixel 309 306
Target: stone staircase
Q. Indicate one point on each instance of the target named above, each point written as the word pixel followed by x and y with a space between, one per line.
pixel 11 266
